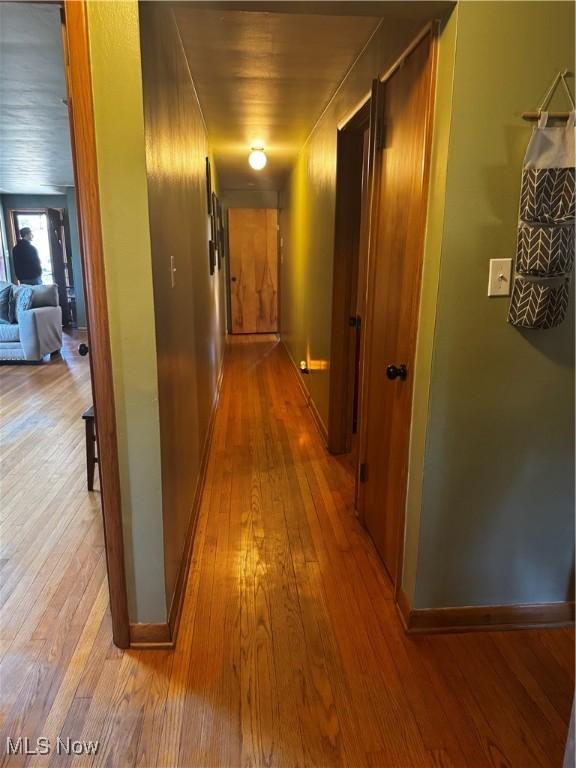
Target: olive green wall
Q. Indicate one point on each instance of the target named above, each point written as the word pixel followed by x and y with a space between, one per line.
pixel 190 311
pixel 497 502
pixel 307 211
pixel 117 91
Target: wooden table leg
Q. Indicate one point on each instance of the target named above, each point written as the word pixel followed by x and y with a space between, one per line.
pixel 90 453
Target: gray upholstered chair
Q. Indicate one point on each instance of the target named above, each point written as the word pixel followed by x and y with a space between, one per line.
pixel 38 331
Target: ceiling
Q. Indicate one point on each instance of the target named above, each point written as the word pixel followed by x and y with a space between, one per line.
pixel 265 76
pixel 388 9
pixel 263 71
pixel 35 154
pixel 266 71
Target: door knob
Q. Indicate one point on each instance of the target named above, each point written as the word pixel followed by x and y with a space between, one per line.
pixel 83 349
pixel 400 372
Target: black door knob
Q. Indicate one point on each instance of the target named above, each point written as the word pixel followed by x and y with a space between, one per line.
pixel 397 372
pixel 83 349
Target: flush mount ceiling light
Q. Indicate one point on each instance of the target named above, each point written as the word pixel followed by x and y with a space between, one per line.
pixel 257 158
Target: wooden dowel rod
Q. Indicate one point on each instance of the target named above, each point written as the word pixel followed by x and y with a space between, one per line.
pixel 551 115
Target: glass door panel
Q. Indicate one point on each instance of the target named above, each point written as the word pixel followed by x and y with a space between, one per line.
pixel 38 223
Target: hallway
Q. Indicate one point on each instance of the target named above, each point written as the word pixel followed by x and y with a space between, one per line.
pixel 290 652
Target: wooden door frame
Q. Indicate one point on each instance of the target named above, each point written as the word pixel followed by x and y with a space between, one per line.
pixel 431 30
pixel 348 217
pixel 83 139
pixel 11 231
pixel 76 48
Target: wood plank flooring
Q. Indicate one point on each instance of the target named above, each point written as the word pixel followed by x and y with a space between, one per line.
pixel 290 652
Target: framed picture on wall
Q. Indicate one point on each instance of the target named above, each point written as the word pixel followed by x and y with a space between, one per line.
pixel 209 201
pixel 212 256
pixel 208 186
pixel 221 234
pixel 213 220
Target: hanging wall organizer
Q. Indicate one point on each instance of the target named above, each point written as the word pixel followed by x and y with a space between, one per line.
pixel 545 246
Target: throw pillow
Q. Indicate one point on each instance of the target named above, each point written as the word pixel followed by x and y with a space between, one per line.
pixel 20 301
pixel 5 294
pixel 45 295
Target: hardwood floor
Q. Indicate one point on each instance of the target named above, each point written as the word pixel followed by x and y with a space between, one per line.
pixel 290 652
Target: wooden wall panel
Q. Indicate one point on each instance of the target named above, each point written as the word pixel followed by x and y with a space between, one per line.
pixel 189 302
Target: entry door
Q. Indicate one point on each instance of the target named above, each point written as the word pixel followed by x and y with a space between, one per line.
pixel 60 265
pixel 393 302
pixel 253 248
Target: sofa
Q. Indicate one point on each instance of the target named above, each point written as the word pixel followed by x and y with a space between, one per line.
pixel 32 327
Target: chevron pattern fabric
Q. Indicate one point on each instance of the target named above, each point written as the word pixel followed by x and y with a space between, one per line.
pixel 538 305
pixel 545 247
pixel 547 195
pixel 546 251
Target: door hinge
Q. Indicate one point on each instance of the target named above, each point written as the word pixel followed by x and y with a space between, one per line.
pixel 363 472
pixel 354 321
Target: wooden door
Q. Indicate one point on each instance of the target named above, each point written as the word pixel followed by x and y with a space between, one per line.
pixel 60 265
pixel 359 285
pixel 253 247
pixel 395 259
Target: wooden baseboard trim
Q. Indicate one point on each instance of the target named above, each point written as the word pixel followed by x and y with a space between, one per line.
pixel 320 426
pixel 163 636
pixel 318 420
pixel 478 618
pixel 180 589
pixel 149 636
pixel 403 608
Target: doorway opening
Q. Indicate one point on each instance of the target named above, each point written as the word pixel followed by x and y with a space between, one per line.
pixel 49 208
pixel 51 240
pixel 349 283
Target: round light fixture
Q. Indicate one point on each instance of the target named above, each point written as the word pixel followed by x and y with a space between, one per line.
pixel 257 158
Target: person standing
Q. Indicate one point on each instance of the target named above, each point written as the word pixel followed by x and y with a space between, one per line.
pixel 26 260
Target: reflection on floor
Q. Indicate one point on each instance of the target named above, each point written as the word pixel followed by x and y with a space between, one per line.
pixel 290 652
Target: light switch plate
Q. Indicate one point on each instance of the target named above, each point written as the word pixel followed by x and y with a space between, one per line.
pixel 500 277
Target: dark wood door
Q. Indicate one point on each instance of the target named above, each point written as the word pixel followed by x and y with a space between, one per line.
pixel 359 297
pixel 253 247
pixel 393 300
pixel 60 265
